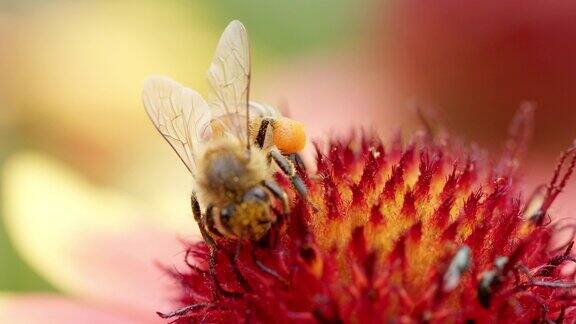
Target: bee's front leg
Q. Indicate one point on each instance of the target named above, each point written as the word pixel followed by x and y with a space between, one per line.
pixel 212 259
pixel 208 223
pixel 234 262
pixel 204 222
pixel 201 221
pixel 277 192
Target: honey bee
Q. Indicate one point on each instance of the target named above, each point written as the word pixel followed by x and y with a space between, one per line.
pixel 226 143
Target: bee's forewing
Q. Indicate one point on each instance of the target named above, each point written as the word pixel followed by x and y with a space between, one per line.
pixel 258 109
pixel 229 77
pixel 180 114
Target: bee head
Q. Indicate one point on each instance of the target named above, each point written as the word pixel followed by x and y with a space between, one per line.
pixel 251 218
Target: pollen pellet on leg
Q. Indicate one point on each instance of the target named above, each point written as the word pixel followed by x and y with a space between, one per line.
pixel 289 135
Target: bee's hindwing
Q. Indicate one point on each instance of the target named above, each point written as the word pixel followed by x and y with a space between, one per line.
pixel 180 114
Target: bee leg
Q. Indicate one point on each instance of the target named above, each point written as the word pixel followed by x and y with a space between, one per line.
pixel 203 223
pixel 267 270
pixel 288 169
pixel 296 159
pixel 214 277
pixel 234 262
pixel 208 222
pixel 262 130
pixel 277 192
pixel 200 220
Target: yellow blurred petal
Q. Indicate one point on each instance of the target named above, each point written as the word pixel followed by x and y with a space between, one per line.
pixel 77 67
pixel 88 241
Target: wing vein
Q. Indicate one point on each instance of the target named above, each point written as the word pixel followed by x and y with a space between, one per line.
pixel 177 113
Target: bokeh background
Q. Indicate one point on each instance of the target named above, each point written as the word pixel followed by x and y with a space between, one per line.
pixel 75 142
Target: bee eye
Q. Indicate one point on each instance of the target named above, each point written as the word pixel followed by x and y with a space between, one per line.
pixel 256 194
pixel 227 212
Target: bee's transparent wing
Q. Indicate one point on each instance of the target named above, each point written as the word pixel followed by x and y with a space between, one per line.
pixel 229 77
pixel 258 109
pixel 180 114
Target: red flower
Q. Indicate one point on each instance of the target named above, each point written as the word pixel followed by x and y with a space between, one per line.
pixel 427 231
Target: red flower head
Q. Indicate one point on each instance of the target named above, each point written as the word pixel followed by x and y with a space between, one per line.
pixel 429 231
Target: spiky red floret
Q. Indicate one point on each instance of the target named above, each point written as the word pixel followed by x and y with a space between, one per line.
pixel 390 242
